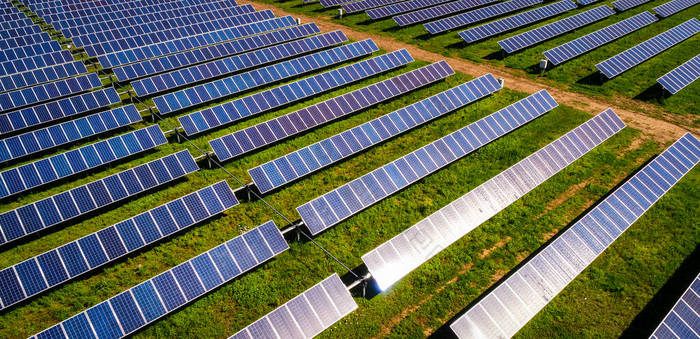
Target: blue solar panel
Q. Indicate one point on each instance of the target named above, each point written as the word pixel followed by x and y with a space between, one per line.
pixel 478 15
pixel 173 288
pixel 29 51
pixel 41 75
pixel 416 245
pixel 19 31
pixel 12 17
pixel 59 208
pixel 24 40
pixel 49 91
pixel 220 67
pixel 634 56
pixel 586 2
pixel 332 3
pixel 673 7
pixel 362 5
pixel 301 162
pixel 213 52
pixel 109 244
pixel 439 11
pixel 524 293
pixel 542 33
pixel 681 76
pixel 591 41
pixel 519 20
pixel 329 209
pixel 34 62
pixel 623 5
pixel 268 132
pixel 683 321
pixel 401 7
pixel 5 25
pixel 37 173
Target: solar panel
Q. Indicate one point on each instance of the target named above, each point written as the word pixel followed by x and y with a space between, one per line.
pixel 394 259
pixel 523 294
pixel 519 20
pixel 263 134
pixel 48 91
pixel 401 7
pixel 591 41
pixel 586 2
pixel 623 5
pixel 683 321
pixel 557 28
pixel 76 202
pixel 644 51
pixel 24 40
pixel 478 15
pixel 438 11
pixel 5 25
pixel 362 5
pixel 329 209
pixel 29 51
pixel 301 162
pixel 250 105
pixel 220 67
pixel 681 76
pixel 19 31
pixel 212 52
pixel 333 3
pixel 41 75
pixel 34 62
pixel 305 316
pixel 61 264
pixel 673 7
pixel 59 166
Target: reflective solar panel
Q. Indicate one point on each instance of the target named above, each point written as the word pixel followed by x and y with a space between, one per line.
pixel 103 247
pixel 271 131
pixel 305 316
pixel 623 5
pixel 59 166
pixel 519 20
pixel 33 62
pixel 394 259
pixel 644 51
pixel 41 75
pixel 591 41
pixel 683 321
pixel 362 5
pixel 76 202
pixel 29 51
pixel 673 7
pixel 19 31
pixel 557 28
pixel 5 25
pixel 438 11
pixel 24 40
pixel 401 7
pixel 523 294
pixel 478 15
pixel 301 162
pixel 48 91
pixel 681 76
pixel 341 203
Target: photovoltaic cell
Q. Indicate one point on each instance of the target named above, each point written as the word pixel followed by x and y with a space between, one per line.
pixel 24 40
pixel 333 3
pixel 41 75
pixel 329 209
pixel 683 321
pixel 362 5
pixel 34 62
pixel 29 51
pixel 623 5
pixel 389 262
pixel 478 15
pixel 673 7
pixel 681 76
pixel 438 11
pixel 548 272
pixel 48 91
pixel 401 7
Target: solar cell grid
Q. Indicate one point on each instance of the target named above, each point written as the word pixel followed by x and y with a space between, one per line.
pixel 681 76
pixel 397 257
pixel 299 163
pixel 439 11
pixel 587 2
pixel 401 7
pixel 548 272
pixel 12 16
pixel 333 3
pixel 34 62
pixel 6 25
pixel 673 7
pixel 24 40
pixel 29 51
pixel 19 31
pixel 329 209
pixel 623 5
pixel 478 15
pixel 683 321
pixel 76 202
pixel 41 75
pixel 362 5
pixel 48 91
pixel 109 244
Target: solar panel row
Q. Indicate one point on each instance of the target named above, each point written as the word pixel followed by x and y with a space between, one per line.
pixel 59 265
pixel 331 208
pixel 683 321
pixel 362 5
pixel 401 7
pixel 681 76
pixel 24 40
pixel 12 16
pixel 508 307
pixel 438 11
pixel 19 31
pixel 213 52
pixel 542 33
pixel 591 41
pixel 396 258
pixel 673 7
pixel 305 316
pixel 34 62
pixel 92 9
pixel 644 51
pixel 274 130
pixel 332 3
pixel 586 2
pixel 623 5
pixel 48 91
pixel 220 67
pixel 29 51
pixel 216 116
pixel 519 20
pixel 41 75
pixel 301 162
pixel 76 202
pixel 478 15
pixel 59 166
pixel 5 25
pixel 50 137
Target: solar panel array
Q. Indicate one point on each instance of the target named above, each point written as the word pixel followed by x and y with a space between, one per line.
pixel 634 56
pixel 333 3
pixel 591 41
pixel 266 133
pixel 401 7
pixel 405 252
pixel 681 76
pixel 306 315
pixel 301 162
pixel 41 75
pixel 24 40
pixel 142 304
pixel 331 208
pixel 683 321
pixel 29 51
pixel 48 91
pixel 557 28
pixel 33 62
pixel 508 307
pixel 673 7
pixel 623 5
pixel 439 11
pixel 519 20
pixel 478 15
pixel 362 5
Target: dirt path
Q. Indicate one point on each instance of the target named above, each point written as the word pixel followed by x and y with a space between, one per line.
pixel 659 129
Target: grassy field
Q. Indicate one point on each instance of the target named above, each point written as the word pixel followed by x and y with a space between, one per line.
pixel 616 287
